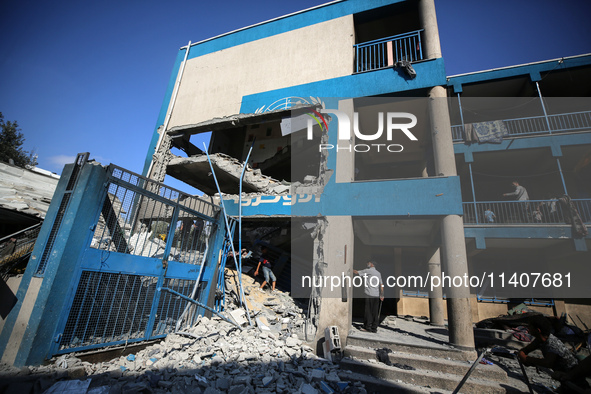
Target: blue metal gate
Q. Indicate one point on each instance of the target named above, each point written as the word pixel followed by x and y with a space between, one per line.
pixel 146 238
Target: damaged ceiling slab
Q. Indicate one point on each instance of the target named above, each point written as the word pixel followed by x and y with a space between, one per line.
pixel 196 172
pixel 238 120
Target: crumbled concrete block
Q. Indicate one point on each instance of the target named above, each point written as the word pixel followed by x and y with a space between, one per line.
pixel 326 388
pixel 165 384
pixel 223 384
pixel 238 389
pixel 243 379
pixel 292 342
pixel 308 389
pixel 317 374
pixel 333 377
pixel 211 390
pixel 76 372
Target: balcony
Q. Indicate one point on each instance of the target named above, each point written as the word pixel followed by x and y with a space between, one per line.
pixel 531 212
pixel 386 52
pixel 518 127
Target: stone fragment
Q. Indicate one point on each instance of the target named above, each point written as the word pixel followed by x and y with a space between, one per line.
pixel 308 389
pixel 267 380
pixel 223 384
pixel 238 389
pixel 165 384
pixel 317 374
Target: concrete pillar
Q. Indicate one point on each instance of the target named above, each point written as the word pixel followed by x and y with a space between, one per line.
pixel 452 229
pixel 336 306
pixel 398 272
pixel 431 44
pixel 345 169
pixel 459 311
pixel 443 149
pixel 436 295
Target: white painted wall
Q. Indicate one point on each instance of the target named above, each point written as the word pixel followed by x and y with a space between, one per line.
pixel 213 85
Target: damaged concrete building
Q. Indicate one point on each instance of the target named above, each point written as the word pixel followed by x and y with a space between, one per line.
pixel 298 99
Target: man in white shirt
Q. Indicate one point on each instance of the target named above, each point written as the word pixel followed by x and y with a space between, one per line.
pixel 374 294
pixel 520 193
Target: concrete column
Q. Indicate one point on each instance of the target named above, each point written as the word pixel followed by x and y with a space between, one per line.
pixel 459 311
pixel 443 148
pixel 336 305
pixel 436 295
pixel 345 171
pixel 431 44
pixel 397 273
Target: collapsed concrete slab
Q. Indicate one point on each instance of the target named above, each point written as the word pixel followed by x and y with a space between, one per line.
pixel 195 171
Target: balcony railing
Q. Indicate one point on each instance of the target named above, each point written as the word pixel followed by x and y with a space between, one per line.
pixel 543 212
pixel 386 52
pixel 537 125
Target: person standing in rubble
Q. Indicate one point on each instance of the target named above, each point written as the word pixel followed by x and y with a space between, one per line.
pixel 374 294
pixel 267 269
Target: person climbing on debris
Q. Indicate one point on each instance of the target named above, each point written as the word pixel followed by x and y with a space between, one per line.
pixel 374 294
pixel 556 354
pixel 267 271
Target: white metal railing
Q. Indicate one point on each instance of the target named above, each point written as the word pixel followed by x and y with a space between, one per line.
pixel 524 212
pixel 573 121
pixel 386 52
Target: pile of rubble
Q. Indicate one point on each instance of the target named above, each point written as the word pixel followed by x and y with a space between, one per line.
pixel 212 356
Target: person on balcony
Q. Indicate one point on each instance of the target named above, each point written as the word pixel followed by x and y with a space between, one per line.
pixel 489 216
pixel 520 193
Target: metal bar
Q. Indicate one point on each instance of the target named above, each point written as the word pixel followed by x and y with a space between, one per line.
pixel 114 179
pixel 561 175
pixel 543 107
pixel 14 235
pixel 390 38
pixel 529 387
pixel 472 368
pixel 119 308
pixel 82 303
pixel 462 116
pixel 92 305
pixel 473 192
pixel 198 304
pixel 242 297
pixel 223 211
pixel 111 307
pixel 149 328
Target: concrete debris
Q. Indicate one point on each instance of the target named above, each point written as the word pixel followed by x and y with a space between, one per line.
pixel 195 171
pixel 212 356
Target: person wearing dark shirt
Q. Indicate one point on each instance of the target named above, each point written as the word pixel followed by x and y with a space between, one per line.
pixel 267 271
pixel 556 354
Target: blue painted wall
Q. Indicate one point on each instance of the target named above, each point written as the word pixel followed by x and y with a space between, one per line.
pixel 407 197
pixel 61 267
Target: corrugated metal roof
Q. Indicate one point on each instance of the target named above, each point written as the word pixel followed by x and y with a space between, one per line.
pixel 26 191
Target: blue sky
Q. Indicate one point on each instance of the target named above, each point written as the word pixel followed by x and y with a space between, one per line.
pixel 91 76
